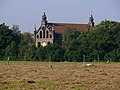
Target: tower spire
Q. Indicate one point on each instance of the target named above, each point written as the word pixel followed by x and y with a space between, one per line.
pixel 91 20
pixel 44 19
pixel 35 27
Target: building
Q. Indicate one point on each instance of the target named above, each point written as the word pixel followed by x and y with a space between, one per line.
pixel 49 33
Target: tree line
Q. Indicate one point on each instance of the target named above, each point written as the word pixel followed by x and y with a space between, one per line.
pixel 102 44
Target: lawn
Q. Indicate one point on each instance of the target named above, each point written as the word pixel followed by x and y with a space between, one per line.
pixel 59 76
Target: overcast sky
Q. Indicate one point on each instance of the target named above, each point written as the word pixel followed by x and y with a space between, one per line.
pixel 27 13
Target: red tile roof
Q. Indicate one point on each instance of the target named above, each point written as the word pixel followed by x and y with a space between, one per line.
pixel 60 27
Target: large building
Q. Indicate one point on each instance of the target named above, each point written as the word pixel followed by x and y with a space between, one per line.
pixel 49 33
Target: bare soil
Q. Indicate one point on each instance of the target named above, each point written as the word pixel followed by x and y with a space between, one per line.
pixel 59 76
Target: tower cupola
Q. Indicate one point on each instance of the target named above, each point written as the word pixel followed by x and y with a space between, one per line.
pixel 44 20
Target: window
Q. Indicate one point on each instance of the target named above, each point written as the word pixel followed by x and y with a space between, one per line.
pixel 43 28
pixel 40 34
pixel 37 36
pixel 43 33
pixel 47 33
pixel 48 43
pixel 50 36
pixel 39 44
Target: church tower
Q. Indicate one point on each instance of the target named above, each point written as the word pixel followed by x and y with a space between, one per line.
pixel 91 21
pixel 44 20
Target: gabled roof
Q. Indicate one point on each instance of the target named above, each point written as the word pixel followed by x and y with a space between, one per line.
pixel 60 27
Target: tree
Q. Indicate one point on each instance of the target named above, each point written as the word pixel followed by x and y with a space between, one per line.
pixel 68 35
pixel 102 43
pixel 104 39
pixel 16 34
pixel 70 43
pixel 55 52
pixel 27 46
pixel 51 52
pixel 41 54
pixel 11 50
pixel 5 38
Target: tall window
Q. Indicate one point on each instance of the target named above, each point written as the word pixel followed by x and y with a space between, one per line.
pixel 47 33
pixel 39 44
pixel 37 36
pixel 50 36
pixel 43 33
pixel 40 34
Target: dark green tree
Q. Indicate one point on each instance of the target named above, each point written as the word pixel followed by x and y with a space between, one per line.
pixel 51 52
pixel 12 50
pixel 5 38
pixel 27 46
pixel 104 39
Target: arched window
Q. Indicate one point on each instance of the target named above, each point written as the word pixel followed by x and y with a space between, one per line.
pixel 40 34
pixel 43 33
pixel 37 36
pixel 47 33
pixel 48 43
pixel 50 36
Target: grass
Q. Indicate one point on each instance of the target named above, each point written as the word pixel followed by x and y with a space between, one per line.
pixel 22 75
pixel 43 84
pixel 79 87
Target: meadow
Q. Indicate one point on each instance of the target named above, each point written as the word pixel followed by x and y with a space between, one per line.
pixel 59 76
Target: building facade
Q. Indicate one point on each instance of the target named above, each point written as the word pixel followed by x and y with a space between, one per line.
pixel 49 33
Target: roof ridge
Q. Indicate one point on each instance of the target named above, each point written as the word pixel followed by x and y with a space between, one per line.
pixel 68 23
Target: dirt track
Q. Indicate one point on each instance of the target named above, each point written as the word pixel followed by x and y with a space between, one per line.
pixel 61 76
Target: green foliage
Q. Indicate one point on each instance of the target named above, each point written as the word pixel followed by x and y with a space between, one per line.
pixel 11 50
pixel 15 44
pixel 51 52
pixel 5 38
pixel 105 35
pixel 102 43
pixel 27 46
pixel 77 46
pixel 41 54
pixel 69 35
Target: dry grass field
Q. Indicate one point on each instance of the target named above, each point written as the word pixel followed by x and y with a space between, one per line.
pixel 61 76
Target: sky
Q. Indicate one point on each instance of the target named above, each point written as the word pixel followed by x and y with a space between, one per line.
pixel 27 13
